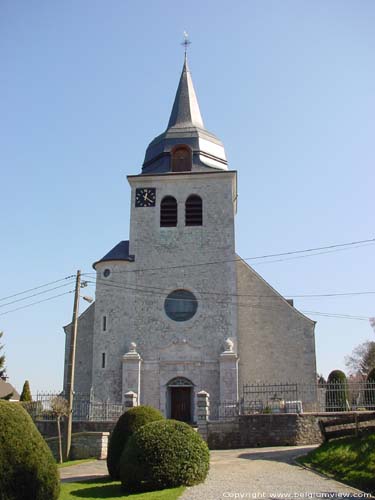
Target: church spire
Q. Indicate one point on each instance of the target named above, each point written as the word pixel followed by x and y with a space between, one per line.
pixel 185 111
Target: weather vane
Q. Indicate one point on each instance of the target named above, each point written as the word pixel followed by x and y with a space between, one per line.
pixel 186 41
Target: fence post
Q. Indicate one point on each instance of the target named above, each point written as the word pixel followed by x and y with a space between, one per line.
pixel 131 400
pixel 203 406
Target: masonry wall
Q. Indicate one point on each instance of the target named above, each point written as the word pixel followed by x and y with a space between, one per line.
pixel 250 431
pixel 276 342
pixel 169 349
pixel 84 445
pixel 84 351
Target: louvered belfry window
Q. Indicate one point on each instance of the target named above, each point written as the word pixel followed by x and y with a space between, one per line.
pixel 193 211
pixel 181 159
pixel 168 212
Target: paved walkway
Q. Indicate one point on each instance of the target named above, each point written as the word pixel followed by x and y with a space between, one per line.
pixel 252 473
pixel 81 472
pixel 265 473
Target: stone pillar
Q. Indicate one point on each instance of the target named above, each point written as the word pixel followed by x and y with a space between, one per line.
pixel 131 400
pixel 131 372
pixel 228 374
pixel 203 413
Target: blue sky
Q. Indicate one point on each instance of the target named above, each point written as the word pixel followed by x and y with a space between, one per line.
pixel 85 86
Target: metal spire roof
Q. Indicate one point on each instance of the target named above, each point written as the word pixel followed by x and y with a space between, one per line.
pixel 185 111
pixel 185 127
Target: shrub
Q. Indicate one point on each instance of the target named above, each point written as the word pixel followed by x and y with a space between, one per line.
pixel 127 424
pixel 26 393
pixel 163 455
pixel 337 391
pixel 27 467
pixel 369 398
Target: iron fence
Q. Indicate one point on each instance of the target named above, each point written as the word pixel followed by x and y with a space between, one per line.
pixel 297 398
pixel 85 408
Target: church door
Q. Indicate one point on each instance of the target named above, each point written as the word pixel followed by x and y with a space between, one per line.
pixel 181 403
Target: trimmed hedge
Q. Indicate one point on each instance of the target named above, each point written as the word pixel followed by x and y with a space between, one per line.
pixel 163 454
pixel 127 424
pixel 337 391
pixel 27 467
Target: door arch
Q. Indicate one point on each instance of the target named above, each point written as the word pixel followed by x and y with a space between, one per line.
pixel 180 398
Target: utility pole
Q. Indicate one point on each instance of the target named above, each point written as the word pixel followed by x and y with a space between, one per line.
pixel 71 368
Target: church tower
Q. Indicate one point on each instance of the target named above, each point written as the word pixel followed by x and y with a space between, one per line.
pixel 171 314
pixel 177 311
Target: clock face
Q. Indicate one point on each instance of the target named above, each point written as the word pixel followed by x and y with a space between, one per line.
pixel 145 197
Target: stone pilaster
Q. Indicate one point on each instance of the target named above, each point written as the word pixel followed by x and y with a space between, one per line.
pixel 203 413
pixel 131 372
pixel 228 374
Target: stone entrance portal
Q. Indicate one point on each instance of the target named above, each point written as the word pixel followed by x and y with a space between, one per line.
pixel 180 399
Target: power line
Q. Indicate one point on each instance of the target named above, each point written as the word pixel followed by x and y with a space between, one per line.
pixel 35 303
pixel 37 287
pixel 276 295
pixel 333 248
pixel 239 304
pixel 35 294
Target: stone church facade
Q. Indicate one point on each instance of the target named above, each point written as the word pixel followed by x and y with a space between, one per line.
pixel 176 309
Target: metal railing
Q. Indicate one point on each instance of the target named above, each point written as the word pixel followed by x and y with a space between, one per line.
pixel 85 408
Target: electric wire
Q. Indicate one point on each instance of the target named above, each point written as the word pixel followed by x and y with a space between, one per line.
pixel 330 249
pixel 35 303
pixel 239 304
pixel 35 294
pixel 37 287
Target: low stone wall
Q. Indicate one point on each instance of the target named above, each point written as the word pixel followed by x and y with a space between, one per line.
pixel 48 428
pixel 250 431
pixel 84 445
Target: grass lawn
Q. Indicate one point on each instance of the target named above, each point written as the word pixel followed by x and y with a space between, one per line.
pixel 75 462
pixel 105 488
pixel 350 460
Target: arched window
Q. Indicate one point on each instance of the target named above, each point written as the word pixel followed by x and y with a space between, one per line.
pixel 193 211
pixel 181 159
pixel 168 212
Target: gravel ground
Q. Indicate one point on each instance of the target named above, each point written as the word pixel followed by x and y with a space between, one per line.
pixel 265 473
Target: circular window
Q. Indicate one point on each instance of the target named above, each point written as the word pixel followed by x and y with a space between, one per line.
pixel 180 305
pixel 106 273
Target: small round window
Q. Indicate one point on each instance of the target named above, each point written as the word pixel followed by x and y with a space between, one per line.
pixel 180 305
pixel 106 273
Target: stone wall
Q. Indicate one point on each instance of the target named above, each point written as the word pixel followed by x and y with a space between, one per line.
pixel 84 445
pixel 48 428
pixel 250 431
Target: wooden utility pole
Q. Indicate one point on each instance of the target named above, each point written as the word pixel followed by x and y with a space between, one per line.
pixel 71 367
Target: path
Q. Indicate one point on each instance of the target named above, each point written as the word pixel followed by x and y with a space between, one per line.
pixel 252 473
pixel 265 473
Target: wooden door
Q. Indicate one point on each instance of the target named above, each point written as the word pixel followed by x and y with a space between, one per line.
pixel 181 403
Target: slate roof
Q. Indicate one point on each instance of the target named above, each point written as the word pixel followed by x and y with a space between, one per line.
pixel 118 252
pixel 6 388
pixel 185 126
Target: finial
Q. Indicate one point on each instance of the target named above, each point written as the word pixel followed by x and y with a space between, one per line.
pixel 186 41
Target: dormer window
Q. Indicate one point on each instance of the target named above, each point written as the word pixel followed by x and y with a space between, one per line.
pixel 168 212
pixel 193 211
pixel 181 159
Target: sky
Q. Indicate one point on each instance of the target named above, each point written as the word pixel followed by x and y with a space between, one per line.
pixel 289 87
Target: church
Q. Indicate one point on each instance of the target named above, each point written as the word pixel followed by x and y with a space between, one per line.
pixel 177 311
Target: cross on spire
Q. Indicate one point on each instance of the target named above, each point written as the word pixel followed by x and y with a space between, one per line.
pixel 186 42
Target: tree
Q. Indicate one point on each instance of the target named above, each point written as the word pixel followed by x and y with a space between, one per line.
pixel 2 361
pixel 26 394
pixel 60 408
pixel 362 359
pixel 337 391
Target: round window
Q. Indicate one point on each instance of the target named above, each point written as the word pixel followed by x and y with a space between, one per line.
pixel 106 273
pixel 180 305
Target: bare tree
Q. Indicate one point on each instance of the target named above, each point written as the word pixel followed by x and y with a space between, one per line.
pixel 362 359
pixel 60 409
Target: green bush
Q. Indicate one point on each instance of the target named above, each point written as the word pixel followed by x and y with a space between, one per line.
pixel 26 393
pixel 127 424
pixel 337 391
pixel 163 454
pixel 27 467
pixel 369 399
